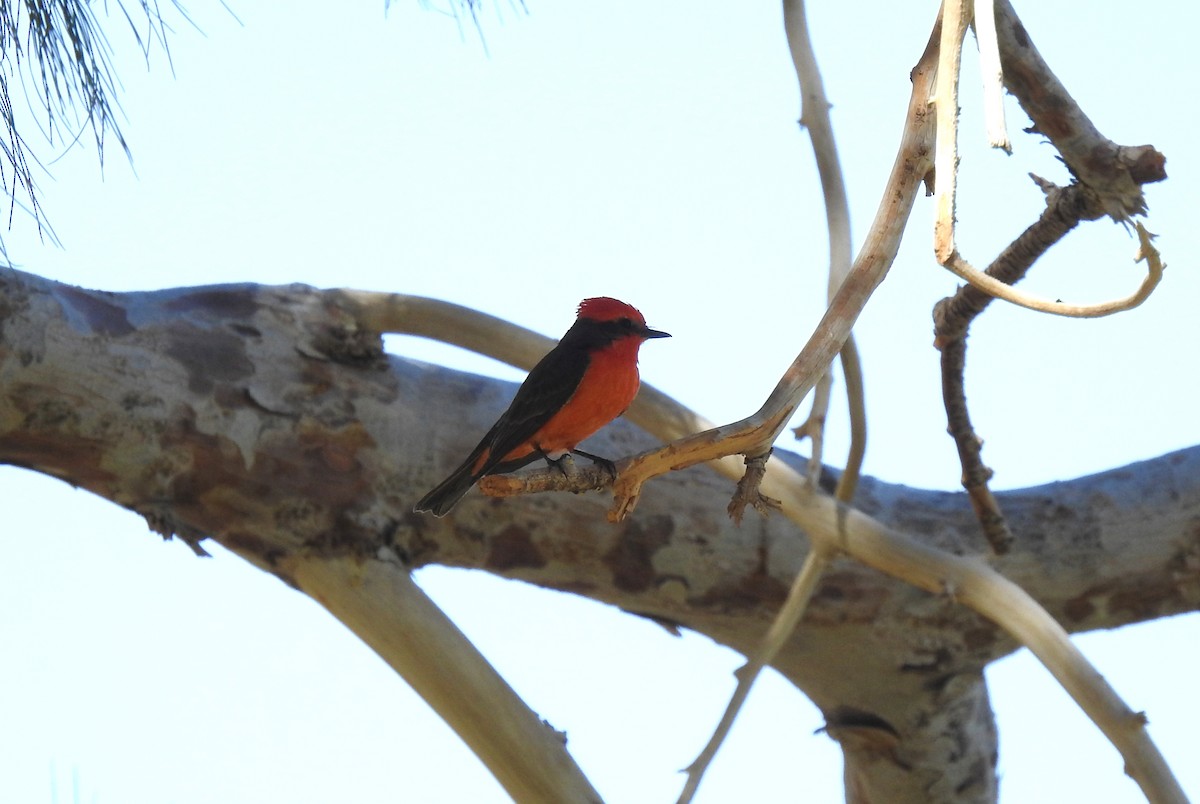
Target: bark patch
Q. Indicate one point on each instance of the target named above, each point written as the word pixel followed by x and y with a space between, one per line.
pixel 215 303
pixel 512 548
pixel 90 313
pixel 209 357
pixel 632 559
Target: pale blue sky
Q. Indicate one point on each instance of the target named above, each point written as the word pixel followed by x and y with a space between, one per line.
pixel 646 151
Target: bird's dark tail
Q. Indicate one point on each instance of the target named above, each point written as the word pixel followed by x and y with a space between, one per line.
pixel 445 495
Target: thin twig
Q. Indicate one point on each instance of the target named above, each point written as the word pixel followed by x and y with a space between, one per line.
pixel 813 426
pixel 696 440
pixel 815 118
pixel 993 287
pixel 780 632
pixel 755 433
pixel 1115 192
pixel 953 317
pixel 956 16
pixel 856 397
pixel 747 492
pixel 581 479
pixel 975 475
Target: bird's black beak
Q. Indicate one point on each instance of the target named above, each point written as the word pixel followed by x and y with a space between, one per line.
pixel 648 333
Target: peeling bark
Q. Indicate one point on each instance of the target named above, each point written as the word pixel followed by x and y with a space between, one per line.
pixel 266 419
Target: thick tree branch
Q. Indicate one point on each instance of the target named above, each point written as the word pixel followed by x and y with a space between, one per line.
pixel 1116 173
pixel 266 419
pixel 421 643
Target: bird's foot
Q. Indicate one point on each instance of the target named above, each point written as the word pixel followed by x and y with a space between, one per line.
pixel 604 463
pixel 563 463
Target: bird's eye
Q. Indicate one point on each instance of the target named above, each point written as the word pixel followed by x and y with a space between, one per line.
pixel 626 323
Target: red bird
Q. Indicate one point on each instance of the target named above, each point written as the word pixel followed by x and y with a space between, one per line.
pixel 585 382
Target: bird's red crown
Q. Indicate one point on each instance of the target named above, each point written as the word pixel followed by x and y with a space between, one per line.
pixel 602 308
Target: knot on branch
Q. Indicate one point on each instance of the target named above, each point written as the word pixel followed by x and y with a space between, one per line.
pixel 747 492
pixel 1144 163
pixel 340 337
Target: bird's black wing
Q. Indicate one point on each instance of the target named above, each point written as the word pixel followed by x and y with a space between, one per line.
pixel 547 388
pixel 545 391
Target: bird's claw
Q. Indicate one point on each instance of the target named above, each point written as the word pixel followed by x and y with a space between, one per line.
pixel 564 464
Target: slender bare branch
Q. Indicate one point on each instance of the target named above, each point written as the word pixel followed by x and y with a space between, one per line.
pixel 755 433
pixel 956 16
pixel 590 478
pixel 813 426
pixel 986 282
pixel 776 637
pixel 815 117
pixel 993 75
pixel 378 600
pixel 856 397
pixel 748 493
pixel 1114 172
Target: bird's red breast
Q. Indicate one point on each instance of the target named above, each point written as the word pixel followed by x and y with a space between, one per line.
pixel 605 391
pixel 582 384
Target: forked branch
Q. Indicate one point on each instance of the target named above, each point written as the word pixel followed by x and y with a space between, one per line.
pixel 1116 191
pixel 837 209
pixel 1116 173
pixel 378 600
pixel 694 440
pixel 754 434
pixel 830 526
pixel 815 118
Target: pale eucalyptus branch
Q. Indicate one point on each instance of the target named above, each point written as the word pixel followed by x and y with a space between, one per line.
pixel 830 525
pixel 777 636
pixel 693 439
pixel 956 17
pixel 813 426
pixel 1115 173
pixel 306 367
pixel 378 600
pixel 1112 173
pixel 970 581
pixel 853 374
pixel 993 75
pixel 994 287
pixel 815 118
pixel 754 434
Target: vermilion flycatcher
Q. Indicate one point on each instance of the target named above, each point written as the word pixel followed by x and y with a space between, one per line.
pixel 585 382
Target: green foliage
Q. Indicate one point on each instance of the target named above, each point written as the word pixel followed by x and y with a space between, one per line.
pixel 59 55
